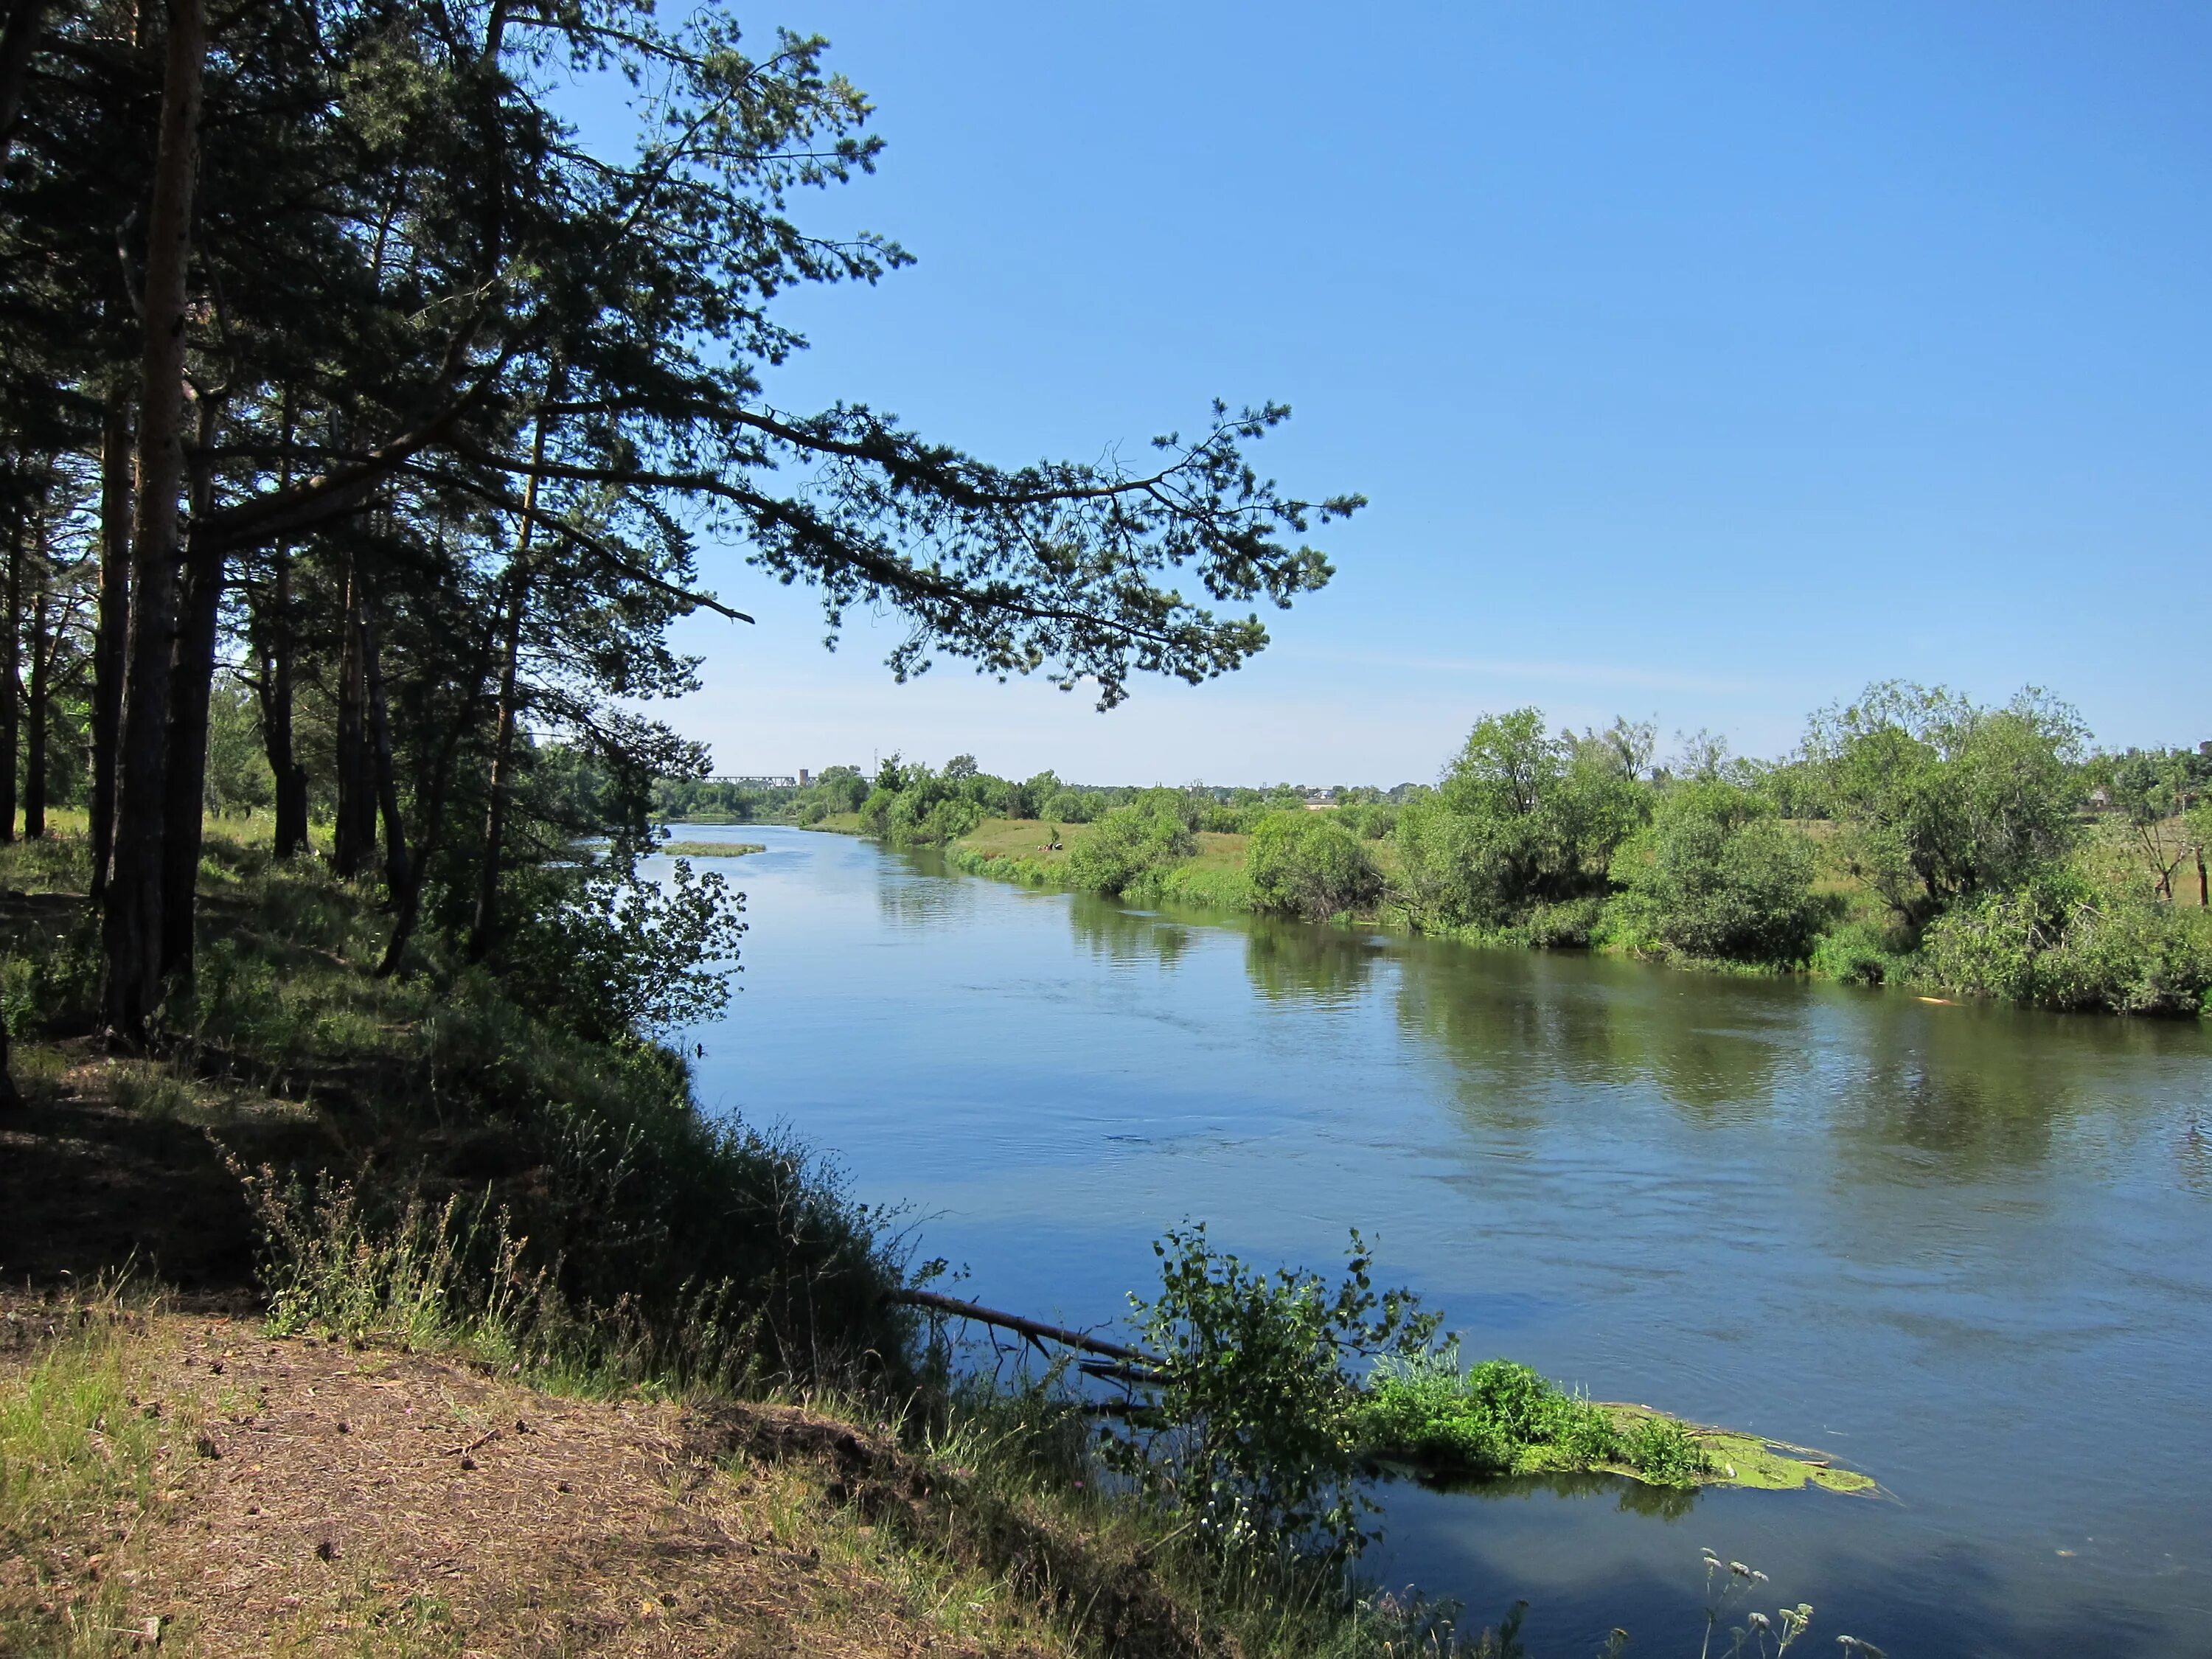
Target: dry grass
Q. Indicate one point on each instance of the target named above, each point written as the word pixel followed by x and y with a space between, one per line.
pixel 240 1494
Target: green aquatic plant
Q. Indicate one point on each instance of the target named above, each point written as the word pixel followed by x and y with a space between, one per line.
pixel 1502 1418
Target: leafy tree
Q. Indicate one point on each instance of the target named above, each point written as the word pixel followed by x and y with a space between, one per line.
pixel 1523 818
pixel 1939 799
pixel 1716 876
pixel 1303 864
pixel 2153 792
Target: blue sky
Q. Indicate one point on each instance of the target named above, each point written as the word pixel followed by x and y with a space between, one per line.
pixel 1702 362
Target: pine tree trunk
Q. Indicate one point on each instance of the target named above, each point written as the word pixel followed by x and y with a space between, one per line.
pixel 486 922
pixel 275 631
pixel 11 677
pixel 276 716
pixel 185 805
pixel 34 710
pixel 356 832
pixel 408 900
pixel 131 930
pixel 379 734
pixel 113 627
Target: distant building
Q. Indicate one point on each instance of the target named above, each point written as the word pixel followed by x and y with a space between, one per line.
pixel 804 778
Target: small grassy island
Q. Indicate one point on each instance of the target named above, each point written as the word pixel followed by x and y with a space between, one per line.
pixel 708 849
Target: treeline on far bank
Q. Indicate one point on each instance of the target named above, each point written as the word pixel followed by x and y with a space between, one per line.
pixel 1914 837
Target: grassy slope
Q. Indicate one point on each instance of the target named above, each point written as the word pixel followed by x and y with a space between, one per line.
pixel 233 1490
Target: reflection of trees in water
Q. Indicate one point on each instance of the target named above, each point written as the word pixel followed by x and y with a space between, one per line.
pixel 1667 1504
pixel 919 891
pixel 1286 960
pixel 1984 1089
pixel 1126 936
pixel 1518 1027
pixel 1296 961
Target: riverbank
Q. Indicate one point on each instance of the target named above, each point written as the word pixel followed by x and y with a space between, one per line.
pixel 2163 975
pixel 437 1328
pixel 217 1484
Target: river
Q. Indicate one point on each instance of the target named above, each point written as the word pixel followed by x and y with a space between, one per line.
pixel 1966 1248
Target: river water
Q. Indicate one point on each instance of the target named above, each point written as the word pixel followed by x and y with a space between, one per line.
pixel 1965 1248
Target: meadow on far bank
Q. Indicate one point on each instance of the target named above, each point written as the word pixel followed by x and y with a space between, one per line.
pixel 1914 839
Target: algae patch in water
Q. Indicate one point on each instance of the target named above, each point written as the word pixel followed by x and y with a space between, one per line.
pixel 708 850
pixel 1500 1418
pixel 1749 1459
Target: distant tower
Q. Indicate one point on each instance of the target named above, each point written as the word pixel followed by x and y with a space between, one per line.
pixel 804 778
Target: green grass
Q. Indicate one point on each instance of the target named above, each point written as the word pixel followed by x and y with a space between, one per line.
pixel 708 850
pixel 672 1242
pixel 80 1458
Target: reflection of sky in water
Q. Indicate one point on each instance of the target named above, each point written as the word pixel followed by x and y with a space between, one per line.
pixel 1925 1238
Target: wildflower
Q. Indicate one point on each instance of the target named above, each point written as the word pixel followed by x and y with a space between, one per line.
pixel 1739 1569
pixel 1759 1622
pixel 1758 1576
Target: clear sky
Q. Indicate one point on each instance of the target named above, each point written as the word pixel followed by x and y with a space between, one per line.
pixel 1702 362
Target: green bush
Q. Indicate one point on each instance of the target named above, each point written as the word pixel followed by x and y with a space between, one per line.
pixel 1569 925
pixel 1716 876
pixel 1253 1432
pixel 1128 843
pixel 2060 941
pixel 1860 953
pixel 1501 1418
pixel 1302 864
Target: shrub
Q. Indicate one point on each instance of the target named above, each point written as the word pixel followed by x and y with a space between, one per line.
pixel 1304 865
pixel 1860 953
pixel 1716 875
pixel 1567 926
pixel 2061 942
pixel 1254 1432
pixel 1127 844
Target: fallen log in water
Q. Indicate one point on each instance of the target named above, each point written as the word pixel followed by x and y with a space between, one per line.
pixel 1037 1330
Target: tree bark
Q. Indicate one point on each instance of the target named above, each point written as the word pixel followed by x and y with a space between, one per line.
pixel 111 629
pixel 291 838
pixel 408 900
pixel 276 640
pixel 380 737
pixel 485 924
pixel 12 676
pixel 34 706
pixel 355 831
pixel 132 929
pixel 184 805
